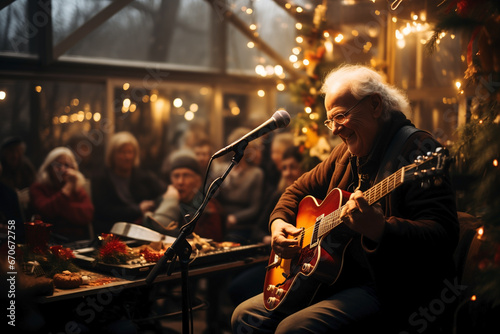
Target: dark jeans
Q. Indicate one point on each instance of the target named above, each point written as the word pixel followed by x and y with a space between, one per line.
pixel 337 313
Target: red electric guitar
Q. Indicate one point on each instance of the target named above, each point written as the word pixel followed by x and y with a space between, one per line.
pixel 291 284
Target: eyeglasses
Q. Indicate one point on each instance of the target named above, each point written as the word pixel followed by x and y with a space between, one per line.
pixel 341 118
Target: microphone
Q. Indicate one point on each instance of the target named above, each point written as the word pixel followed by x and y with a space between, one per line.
pixel 280 119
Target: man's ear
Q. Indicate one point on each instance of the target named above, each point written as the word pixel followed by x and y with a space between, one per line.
pixel 376 103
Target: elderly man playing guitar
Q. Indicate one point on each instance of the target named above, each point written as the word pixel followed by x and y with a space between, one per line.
pixel 365 239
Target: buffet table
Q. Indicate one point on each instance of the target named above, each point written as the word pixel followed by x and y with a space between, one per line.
pixel 115 278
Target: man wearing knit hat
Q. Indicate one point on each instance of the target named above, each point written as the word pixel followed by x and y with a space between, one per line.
pixel 183 197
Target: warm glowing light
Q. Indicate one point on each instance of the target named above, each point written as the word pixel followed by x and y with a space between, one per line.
pixel 3 95
pixel 495 162
pixel 305 62
pixel 414 17
pixel 193 107
pixel 38 89
pixel 75 102
pixel 298 26
pixel 250 45
pixel 80 116
pixel 299 39
pixel 278 70
pixel 280 87
pixel 261 93
pixel 299 9
pixel 189 115
pixel 145 98
pixel 153 98
pixel 253 26
pixel 126 103
pixel 473 298
pixel 401 43
pixel 458 84
pixel 308 110
pixel 480 232
pixel 326 34
pixel 355 33
pixel 177 102
pixel 97 117
pixel 293 58
pixel 377 12
pixel 235 111
pixel 133 107
pixel 260 70
pixel 63 119
pixel 126 86
pixel 296 51
pixel 394 19
pixel 249 11
pixel 423 16
pixel 124 109
pixel 304 130
pixel 339 38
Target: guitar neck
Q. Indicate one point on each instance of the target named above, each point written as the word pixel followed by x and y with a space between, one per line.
pixel 384 187
pixel 372 195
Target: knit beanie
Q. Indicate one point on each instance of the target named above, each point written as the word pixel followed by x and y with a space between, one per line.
pixel 185 161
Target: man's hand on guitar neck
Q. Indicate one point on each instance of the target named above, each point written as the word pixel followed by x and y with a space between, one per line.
pixel 285 238
pixel 359 216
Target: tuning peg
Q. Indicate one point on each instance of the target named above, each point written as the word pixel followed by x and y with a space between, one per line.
pixel 425 184
pixel 429 153
pixel 438 181
pixel 418 159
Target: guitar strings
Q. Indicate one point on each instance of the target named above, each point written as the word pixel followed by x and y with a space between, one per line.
pixel 373 194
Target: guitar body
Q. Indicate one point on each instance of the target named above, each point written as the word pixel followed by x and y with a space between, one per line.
pixel 290 284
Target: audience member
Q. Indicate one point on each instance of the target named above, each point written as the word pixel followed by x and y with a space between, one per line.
pixel 123 192
pixel 183 197
pixel 18 171
pixel 241 192
pixel 59 198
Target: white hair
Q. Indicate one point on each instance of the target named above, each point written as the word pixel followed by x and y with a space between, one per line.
pixel 363 81
pixel 43 172
pixel 118 140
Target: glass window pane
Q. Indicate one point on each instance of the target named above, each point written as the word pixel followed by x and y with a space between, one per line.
pixel 15 31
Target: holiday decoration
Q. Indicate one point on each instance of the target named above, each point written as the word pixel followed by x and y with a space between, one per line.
pixel 113 250
pixel 478 147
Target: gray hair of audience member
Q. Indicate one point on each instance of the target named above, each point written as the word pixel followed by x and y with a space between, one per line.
pixel 118 140
pixel 363 81
pixel 43 175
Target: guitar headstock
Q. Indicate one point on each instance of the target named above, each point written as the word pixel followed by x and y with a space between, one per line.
pixel 429 168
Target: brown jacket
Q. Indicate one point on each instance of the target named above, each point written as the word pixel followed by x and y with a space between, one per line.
pixel 413 261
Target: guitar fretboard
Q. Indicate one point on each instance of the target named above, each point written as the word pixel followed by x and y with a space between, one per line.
pixel 372 195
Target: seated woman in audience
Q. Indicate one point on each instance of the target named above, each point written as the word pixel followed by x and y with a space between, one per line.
pixel 123 192
pixel 241 193
pixel 59 198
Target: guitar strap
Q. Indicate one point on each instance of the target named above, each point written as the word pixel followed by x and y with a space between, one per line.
pixel 388 165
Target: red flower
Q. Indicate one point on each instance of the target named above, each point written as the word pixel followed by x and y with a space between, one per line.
pixel 113 247
pixel 62 253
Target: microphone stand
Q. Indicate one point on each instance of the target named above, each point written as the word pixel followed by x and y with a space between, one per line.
pixel 182 249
